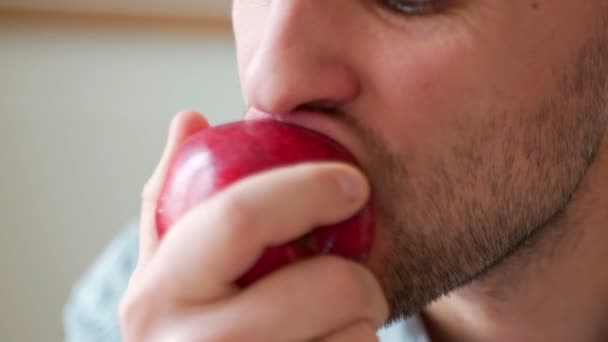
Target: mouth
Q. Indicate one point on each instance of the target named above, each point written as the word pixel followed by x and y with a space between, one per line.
pixel 318 121
pixel 339 130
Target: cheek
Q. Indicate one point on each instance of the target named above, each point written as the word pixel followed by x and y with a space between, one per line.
pixel 447 91
pixel 429 89
pixel 436 93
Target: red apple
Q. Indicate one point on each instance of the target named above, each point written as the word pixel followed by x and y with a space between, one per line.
pixel 214 158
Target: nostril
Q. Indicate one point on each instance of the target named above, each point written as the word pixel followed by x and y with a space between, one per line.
pixel 325 106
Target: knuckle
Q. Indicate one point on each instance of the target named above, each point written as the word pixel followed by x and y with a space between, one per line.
pixel 327 182
pixel 209 334
pixel 149 191
pixel 129 316
pixel 324 177
pixel 199 325
pixel 365 328
pixel 357 287
pixel 307 173
pixel 175 121
pixel 236 215
pixel 137 313
pixel 361 331
pixel 348 278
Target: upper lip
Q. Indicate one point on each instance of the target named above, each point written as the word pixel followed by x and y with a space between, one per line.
pixel 317 121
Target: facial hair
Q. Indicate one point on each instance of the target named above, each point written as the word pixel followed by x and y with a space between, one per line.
pixel 500 187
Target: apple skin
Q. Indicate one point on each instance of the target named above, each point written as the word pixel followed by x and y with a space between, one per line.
pixel 214 158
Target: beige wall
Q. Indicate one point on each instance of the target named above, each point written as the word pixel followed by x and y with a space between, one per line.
pixel 84 106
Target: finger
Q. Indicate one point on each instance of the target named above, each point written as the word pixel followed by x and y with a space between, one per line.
pixel 182 126
pixel 359 332
pixel 306 300
pixel 214 244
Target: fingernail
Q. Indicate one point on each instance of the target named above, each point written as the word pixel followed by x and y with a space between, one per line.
pixel 352 187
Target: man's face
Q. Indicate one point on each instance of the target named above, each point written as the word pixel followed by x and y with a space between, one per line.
pixel 475 120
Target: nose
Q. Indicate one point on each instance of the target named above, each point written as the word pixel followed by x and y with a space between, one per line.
pixel 300 58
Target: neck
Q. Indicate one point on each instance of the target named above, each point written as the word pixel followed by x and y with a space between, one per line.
pixel 555 289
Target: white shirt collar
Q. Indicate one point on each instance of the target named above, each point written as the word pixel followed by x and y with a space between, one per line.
pixel 410 330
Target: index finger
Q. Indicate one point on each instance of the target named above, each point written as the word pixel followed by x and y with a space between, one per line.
pixel 183 125
pixel 219 240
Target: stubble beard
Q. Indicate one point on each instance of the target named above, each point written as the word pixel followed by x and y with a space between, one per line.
pixel 494 193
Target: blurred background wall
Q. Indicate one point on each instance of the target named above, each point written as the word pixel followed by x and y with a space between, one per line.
pixel 86 93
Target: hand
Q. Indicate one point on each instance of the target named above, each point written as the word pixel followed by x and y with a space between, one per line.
pixel 183 287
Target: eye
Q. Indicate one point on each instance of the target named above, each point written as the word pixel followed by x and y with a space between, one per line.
pixel 413 7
